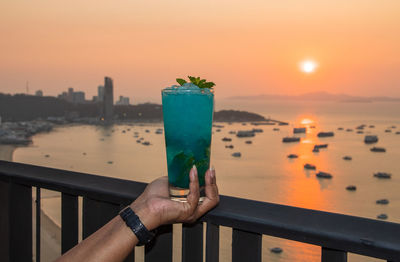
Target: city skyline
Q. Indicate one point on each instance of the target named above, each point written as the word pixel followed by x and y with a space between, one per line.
pixel 245 48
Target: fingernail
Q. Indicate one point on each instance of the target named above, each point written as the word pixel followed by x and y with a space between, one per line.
pixel 212 169
pixel 194 168
pixel 191 174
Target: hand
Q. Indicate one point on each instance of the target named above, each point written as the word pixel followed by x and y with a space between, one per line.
pixel 155 208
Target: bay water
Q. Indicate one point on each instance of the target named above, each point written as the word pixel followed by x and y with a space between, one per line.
pixel 263 172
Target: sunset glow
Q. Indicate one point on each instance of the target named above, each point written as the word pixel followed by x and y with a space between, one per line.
pixel 307 121
pixel 246 48
pixel 308 66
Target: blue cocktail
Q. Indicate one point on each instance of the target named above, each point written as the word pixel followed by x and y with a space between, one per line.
pixel 188 113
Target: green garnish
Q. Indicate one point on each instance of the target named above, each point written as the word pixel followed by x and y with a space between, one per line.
pixel 201 83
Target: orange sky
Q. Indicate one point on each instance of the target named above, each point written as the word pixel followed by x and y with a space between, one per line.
pixel 245 47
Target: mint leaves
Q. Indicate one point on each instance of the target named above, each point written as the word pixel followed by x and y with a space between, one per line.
pixel 201 83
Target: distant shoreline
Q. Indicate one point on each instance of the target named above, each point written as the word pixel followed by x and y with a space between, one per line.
pixel 7 152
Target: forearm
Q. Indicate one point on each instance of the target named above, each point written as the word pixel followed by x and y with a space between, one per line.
pixel 113 242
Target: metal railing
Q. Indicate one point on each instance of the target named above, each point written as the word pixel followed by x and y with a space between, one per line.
pixel 103 198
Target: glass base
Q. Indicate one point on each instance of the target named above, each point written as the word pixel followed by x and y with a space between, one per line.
pixel 180 194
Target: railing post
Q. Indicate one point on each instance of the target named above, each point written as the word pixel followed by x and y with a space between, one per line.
pixel 38 223
pixel 15 222
pixel 96 214
pixel 69 222
pixel 192 242
pixel 246 246
pixel 160 249
pixel 212 243
pixel 332 255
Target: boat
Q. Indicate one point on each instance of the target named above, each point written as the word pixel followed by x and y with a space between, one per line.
pixel 351 188
pixel 321 174
pixel 292 156
pixel 257 130
pixel 383 175
pixel 348 158
pixel 245 133
pixel 321 146
pixel 309 167
pixel 340 128
pixel 325 134
pixel 276 250
pixel 382 216
pixel 159 131
pixel 315 150
pixel 382 201
pixel 289 139
pixel 237 154
pixel 275 129
pixel 146 143
pixel 378 149
pixel 263 123
pixel 227 139
pixel 299 130
pixel 248 142
pixel 370 139
pixel 229 146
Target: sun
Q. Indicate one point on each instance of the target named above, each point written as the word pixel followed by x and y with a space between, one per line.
pixel 308 66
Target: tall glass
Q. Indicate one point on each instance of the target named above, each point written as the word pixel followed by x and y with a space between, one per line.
pixel 188 113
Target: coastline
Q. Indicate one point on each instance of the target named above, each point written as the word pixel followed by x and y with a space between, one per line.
pixel 6 152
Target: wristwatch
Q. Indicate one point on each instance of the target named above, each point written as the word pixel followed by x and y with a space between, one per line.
pixel 133 221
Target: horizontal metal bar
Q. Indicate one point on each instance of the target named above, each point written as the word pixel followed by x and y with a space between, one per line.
pixel 107 189
pixel 335 231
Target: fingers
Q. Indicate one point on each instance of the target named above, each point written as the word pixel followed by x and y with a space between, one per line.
pixel 212 197
pixel 194 192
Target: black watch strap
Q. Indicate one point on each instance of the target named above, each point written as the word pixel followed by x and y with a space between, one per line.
pixel 133 221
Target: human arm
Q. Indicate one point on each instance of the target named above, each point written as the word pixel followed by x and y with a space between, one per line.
pixel 114 241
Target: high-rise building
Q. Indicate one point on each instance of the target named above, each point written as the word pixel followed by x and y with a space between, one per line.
pixel 70 95
pixel 123 100
pixel 78 97
pixel 39 93
pixel 108 99
pixel 100 93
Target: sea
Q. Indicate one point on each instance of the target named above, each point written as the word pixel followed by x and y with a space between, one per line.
pixel 263 172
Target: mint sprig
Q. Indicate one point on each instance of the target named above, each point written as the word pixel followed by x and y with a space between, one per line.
pixel 201 83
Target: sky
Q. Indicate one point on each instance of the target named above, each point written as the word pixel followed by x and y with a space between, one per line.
pixel 246 47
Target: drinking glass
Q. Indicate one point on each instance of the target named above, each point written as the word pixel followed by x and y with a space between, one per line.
pixel 188 113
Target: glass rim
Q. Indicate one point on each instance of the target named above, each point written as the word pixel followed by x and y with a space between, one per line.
pixel 186 91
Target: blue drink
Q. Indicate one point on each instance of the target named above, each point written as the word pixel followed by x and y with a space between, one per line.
pixel 188 113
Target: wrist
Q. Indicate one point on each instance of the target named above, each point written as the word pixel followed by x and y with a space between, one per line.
pixel 145 214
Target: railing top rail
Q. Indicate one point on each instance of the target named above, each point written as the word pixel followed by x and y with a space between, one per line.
pixel 337 231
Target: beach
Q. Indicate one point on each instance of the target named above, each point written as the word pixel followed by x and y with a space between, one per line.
pixel 6 152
